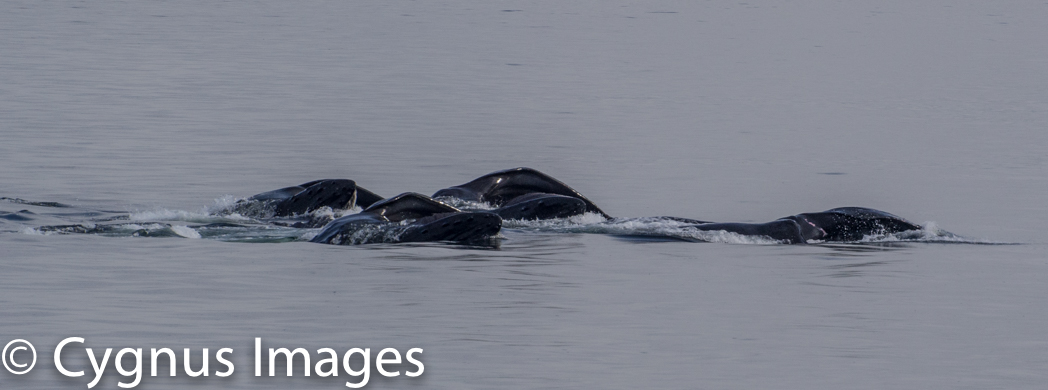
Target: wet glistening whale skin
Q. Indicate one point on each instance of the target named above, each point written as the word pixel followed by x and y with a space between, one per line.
pixel 524 188
pixel 514 194
pixel 472 212
pixel 409 217
pixel 523 193
pixel 306 198
pixel 840 224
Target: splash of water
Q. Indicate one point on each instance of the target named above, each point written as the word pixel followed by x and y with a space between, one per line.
pixel 221 221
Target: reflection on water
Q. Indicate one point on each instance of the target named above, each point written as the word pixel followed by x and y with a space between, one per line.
pixel 852 270
pixel 863 248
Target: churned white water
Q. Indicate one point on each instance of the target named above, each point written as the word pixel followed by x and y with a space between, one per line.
pixel 127 128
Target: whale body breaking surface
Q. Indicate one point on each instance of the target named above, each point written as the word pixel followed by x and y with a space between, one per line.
pixel 338 211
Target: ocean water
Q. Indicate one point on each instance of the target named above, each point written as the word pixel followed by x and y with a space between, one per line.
pixel 153 114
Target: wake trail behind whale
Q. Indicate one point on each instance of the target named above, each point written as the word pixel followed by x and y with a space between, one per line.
pixel 221 221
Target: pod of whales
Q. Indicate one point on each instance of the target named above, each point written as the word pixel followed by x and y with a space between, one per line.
pixel 524 194
pixel 483 204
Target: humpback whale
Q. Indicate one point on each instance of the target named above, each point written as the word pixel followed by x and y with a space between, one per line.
pixel 307 197
pixel 517 194
pixel 523 193
pixel 839 224
pixel 409 217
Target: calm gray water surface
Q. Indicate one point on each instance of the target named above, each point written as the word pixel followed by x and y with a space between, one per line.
pixel 935 111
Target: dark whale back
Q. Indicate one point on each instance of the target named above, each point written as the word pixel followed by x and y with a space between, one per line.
pixel 334 193
pixel 465 226
pixel 500 187
pixel 278 195
pixel 427 220
pixel 850 224
pixel 365 198
pixel 839 224
pixel 409 205
pixel 541 206
pixel 310 196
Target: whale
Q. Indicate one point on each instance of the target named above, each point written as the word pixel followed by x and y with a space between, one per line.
pixel 409 217
pixel 472 211
pixel 842 224
pixel 307 197
pixel 523 193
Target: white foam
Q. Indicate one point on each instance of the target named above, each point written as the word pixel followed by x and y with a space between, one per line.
pixel 223 203
pixel 464 204
pixel 185 231
pixel 34 232
pixel 307 236
pixel 328 212
pixel 555 224
pixel 148 226
pixel 202 216
pixel 930 232
pixel 669 228
pixel 369 234
pixel 650 227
